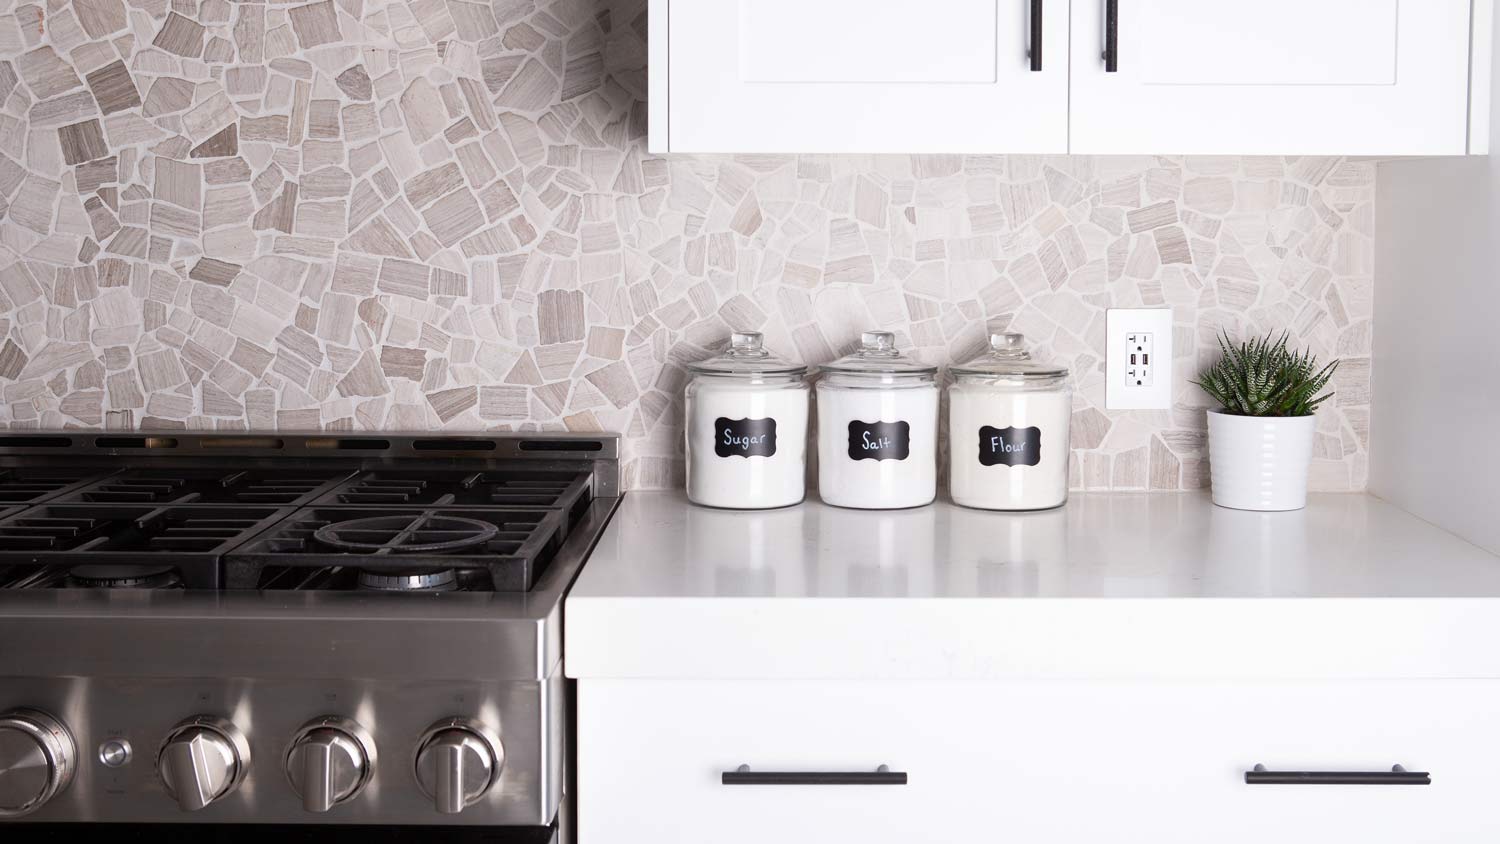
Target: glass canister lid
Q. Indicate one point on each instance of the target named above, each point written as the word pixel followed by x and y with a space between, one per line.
pixel 877 356
pixel 1007 358
pixel 745 356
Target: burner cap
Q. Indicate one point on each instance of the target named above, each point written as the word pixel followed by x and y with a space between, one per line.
pixel 432 580
pixel 105 576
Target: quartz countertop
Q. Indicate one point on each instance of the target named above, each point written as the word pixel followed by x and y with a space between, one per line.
pixel 1352 585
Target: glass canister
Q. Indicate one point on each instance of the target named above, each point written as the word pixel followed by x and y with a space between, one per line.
pixel 1008 419
pixel 746 428
pixel 877 428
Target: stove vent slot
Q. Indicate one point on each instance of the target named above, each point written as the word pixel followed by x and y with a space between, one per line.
pixel 348 444
pixel 36 442
pixel 135 442
pixel 240 442
pixel 453 445
pixel 561 445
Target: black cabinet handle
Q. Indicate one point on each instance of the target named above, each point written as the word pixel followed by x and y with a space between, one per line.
pixel 880 776
pixel 1397 775
pixel 1036 36
pixel 1111 36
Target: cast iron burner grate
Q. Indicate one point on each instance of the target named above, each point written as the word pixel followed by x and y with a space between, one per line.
pixel 448 488
pixel 40 544
pixel 488 549
pixel 35 485
pixel 272 487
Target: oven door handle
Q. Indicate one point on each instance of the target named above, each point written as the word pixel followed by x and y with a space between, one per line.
pixel 880 776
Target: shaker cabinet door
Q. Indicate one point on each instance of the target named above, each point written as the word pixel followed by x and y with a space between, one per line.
pixel 1377 77
pixel 838 76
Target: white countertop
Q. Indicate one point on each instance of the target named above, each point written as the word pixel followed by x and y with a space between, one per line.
pixel 677 590
pixel 1100 545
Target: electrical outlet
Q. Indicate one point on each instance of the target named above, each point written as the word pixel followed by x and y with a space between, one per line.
pixel 1138 358
pixel 1139 346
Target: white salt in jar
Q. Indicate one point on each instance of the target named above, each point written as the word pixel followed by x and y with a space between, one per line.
pixel 877 428
pixel 1008 429
pixel 746 428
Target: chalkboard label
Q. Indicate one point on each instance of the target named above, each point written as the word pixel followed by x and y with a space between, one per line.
pixel 879 440
pixel 744 437
pixel 1010 446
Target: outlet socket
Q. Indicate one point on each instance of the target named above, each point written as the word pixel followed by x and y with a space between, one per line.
pixel 1138 358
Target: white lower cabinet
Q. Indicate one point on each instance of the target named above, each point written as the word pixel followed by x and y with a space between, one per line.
pixel 1036 762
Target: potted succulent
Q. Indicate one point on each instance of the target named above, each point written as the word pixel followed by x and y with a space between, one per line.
pixel 1260 438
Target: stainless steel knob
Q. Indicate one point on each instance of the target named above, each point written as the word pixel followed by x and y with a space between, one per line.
pixel 203 759
pixel 37 760
pixel 458 760
pixel 329 761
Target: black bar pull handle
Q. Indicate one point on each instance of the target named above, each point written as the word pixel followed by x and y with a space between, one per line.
pixel 1036 36
pixel 880 776
pixel 1111 36
pixel 1397 775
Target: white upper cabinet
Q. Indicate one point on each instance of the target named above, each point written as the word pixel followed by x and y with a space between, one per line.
pixel 1376 77
pixel 1347 77
pixel 858 76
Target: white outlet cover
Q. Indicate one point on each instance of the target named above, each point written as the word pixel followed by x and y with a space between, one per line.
pixel 1120 392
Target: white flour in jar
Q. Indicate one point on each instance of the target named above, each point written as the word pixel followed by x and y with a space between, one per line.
pixel 1008 430
pixel 746 443
pixel 862 467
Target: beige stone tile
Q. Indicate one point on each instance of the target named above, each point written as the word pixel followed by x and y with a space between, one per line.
pixel 180 35
pixel 113 88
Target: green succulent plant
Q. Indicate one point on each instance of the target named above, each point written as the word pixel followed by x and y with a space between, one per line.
pixel 1262 377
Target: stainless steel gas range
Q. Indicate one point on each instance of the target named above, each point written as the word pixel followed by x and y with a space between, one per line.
pixel 325 633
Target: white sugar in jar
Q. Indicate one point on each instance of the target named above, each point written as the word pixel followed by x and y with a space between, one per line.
pixel 746 429
pixel 877 428
pixel 1008 419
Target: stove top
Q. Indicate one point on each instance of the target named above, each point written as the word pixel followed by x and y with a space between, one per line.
pixel 290 513
pixel 311 614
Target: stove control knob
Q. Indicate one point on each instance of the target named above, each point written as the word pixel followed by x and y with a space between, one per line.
pixel 203 759
pixel 458 760
pixel 37 760
pixel 330 760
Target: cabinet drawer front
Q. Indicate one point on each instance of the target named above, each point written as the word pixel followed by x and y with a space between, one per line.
pixel 1041 762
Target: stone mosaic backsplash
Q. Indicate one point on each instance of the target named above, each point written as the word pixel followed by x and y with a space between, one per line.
pixel 440 214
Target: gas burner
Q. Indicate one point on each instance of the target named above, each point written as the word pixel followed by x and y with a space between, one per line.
pixel 106 576
pixel 489 549
pixel 415 533
pixel 53 539
pixel 437 580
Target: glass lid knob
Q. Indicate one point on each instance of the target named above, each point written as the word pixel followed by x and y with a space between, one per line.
pixel 877 341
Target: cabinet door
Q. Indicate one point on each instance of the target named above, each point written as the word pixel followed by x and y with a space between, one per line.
pixel 859 76
pixel 1375 77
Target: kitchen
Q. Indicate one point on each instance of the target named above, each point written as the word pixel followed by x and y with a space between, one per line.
pixel 419 254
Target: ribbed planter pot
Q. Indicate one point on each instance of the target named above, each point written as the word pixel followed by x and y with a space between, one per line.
pixel 1260 463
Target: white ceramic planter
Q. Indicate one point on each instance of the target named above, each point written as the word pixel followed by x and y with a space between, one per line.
pixel 1260 463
